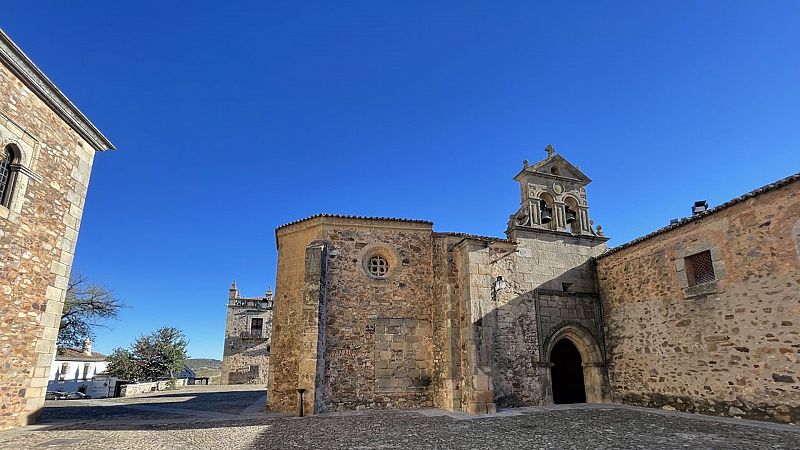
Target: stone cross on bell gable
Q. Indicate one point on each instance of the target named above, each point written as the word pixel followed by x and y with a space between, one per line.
pixel 550 150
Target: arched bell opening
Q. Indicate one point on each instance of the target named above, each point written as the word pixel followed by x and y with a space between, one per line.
pixel 546 211
pixel 571 212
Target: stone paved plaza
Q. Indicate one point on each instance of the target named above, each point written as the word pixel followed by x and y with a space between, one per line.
pixel 226 417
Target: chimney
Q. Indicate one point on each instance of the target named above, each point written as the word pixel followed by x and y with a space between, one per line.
pixel 699 207
pixel 87 347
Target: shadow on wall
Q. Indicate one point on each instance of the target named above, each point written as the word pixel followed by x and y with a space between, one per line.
pixel 546 345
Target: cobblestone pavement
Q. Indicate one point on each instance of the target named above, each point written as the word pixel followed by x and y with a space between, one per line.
pixel 224 417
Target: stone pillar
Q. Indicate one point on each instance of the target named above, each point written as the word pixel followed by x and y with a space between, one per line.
pixel 477 320
pixel 583 220
pixel 312 349
pixel 560 216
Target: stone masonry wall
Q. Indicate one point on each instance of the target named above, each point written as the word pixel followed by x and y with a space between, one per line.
pixel 245 358
pixel 447 346
pixel 377 345
pixel 287 338
pixel 533 307
pixel 379 339
pixel 729 347
pixel 37 242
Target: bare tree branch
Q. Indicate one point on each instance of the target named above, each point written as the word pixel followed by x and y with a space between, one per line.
pixel 86 306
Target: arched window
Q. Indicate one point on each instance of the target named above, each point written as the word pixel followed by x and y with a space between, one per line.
pixel 7 157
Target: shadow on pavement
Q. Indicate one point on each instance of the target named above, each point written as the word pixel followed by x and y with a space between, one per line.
pixel 189 408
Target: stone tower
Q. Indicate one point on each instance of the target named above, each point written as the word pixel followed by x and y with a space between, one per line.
pixel 248 329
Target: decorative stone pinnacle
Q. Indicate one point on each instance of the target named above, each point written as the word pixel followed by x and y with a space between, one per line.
pixel 233 285
pixel 524 163
pixel 550 150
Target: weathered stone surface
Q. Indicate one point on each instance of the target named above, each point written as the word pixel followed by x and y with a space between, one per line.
pixel 245 358
pixel 730 348
pixel 437 330
pixel 38 232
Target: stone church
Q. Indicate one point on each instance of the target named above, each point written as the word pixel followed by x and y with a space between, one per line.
pixel 387 313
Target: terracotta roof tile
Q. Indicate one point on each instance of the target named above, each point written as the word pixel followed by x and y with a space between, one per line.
pixel 340 216
pixel 685 220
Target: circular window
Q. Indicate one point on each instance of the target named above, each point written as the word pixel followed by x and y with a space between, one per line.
pixel 378 266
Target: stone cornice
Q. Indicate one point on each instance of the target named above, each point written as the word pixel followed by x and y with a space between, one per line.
pixel 19 63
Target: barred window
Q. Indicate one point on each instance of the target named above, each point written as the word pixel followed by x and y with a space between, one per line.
pixel 256 326
pixel 378 266
pixel 699 268
pixel 7 157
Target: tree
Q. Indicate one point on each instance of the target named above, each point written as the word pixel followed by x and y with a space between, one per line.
pixel 86 306
pixel 158 355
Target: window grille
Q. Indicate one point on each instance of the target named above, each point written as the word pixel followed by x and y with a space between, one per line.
pixel 256 326
pixel 699 268
pixel 378 266
pixel 6 159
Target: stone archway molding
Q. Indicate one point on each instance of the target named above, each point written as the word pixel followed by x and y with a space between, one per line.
pixel 591 357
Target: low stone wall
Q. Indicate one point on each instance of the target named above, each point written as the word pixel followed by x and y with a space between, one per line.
pixel 132 389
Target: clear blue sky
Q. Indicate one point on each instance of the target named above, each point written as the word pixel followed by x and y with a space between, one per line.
pixel 232 118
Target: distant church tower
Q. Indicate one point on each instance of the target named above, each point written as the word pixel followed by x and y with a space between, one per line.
pixel 248 329
pixel 553 193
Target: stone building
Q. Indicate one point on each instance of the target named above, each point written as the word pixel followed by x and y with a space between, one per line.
pixel 46 152
pixel 377 312
pixel 387 313
pixel 248 327
pixel 704 315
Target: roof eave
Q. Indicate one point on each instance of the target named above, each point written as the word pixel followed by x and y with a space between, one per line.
pixel 18 62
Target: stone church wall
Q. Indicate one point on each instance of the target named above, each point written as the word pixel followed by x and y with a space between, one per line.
pixel 379 337
pixel 534 306
pixel 287 333
pixel 38 233
pixel 374 337
pixel 728 347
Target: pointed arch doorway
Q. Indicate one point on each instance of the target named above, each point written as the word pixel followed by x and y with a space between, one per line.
pixel 567 373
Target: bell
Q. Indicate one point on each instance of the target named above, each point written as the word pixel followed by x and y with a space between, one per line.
pixel 547 212
pixel 570 215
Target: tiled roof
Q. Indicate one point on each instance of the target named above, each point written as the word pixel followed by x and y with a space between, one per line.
pixel 729 203
pixel 339 216
pixel 72 354
pixel 473 236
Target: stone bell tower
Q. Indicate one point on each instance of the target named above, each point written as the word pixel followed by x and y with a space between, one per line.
pixel 553 199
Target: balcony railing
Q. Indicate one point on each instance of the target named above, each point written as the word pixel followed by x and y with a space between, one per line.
pixel 253 335
pixel 251 303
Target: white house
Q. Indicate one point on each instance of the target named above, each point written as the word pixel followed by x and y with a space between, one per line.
pixel 74 370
